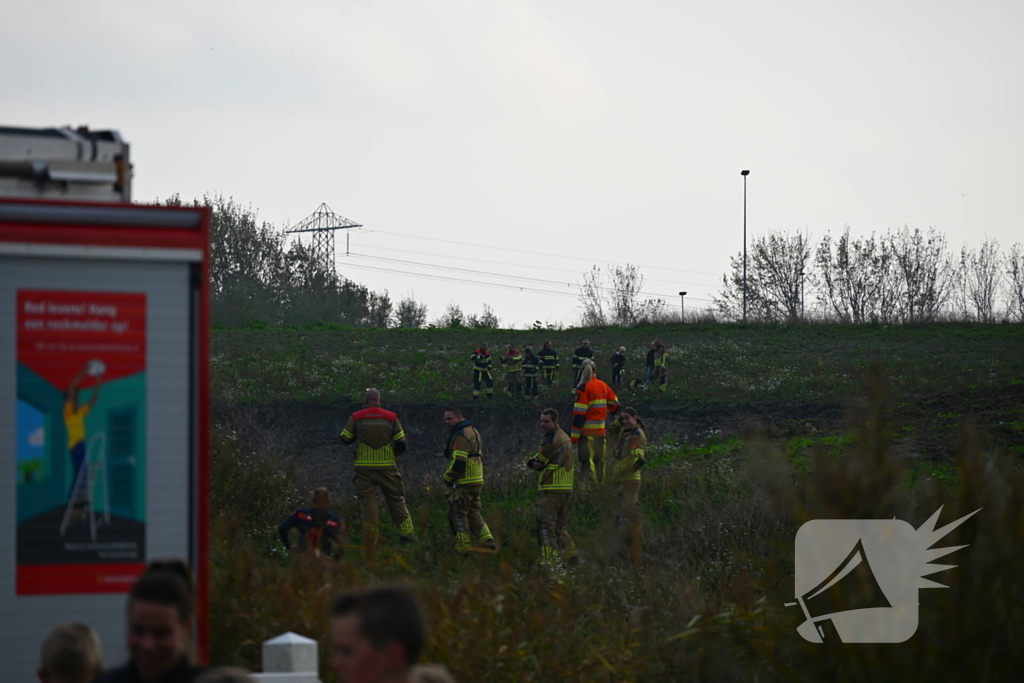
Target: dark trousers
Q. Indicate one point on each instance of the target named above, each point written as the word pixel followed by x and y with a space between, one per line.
pixel 616 376
pixel 485 377
pixel 549 374
pixel 531 385
pixel 515 383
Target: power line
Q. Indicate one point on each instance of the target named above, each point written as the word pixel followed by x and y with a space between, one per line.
pixel 532 253
pixel 515 265
pixel 503 275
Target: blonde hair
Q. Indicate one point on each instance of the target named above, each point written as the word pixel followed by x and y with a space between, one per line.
pixel 587 373
pixel 71 653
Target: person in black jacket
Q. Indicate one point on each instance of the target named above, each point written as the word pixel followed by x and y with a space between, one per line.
pixel 531 368
pixel 161 605
pixel 319 529
pixel 549 361
pixel 618 363
pixel 584 352
pixel 650 362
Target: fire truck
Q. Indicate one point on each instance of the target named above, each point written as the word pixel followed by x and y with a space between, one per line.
pixel 104 318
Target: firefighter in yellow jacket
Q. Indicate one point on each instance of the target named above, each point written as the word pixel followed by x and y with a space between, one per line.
pixel 378 436
pixel 554 462
pixel 629 436
pixel 464 480
pixel 513 361
pixel 595 401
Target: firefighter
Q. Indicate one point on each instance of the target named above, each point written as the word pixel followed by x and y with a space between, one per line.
pixel 618 363
pixel 513 362
pixel 319 529
pixel 629 434
pixel 554 462
pixel 482 371
pixel 531 366
pixel 379 437
pixel 652 353
pixel 549 360
pixel 584 352
pixel 595 400
pixel 464 478
pixel 661 366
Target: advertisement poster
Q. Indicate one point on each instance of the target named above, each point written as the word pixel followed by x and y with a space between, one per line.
pixel 81 441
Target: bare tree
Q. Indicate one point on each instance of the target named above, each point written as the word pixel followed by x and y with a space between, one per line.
pixel 628 308
pixel 777 264
pixel 452 316
pixel 924 270
pixel 857 278
pixel 411 313
pixel 487 320
pixel 591 299
pixel 983 278
pixel 1015 276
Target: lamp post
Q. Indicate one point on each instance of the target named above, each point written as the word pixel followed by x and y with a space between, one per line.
pixel 744 173
pixel 682 311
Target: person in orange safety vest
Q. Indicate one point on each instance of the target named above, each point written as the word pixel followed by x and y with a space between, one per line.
pixel 595 401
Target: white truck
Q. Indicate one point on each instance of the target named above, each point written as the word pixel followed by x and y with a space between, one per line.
pixel 64 164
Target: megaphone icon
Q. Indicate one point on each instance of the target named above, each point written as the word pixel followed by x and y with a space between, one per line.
pixel 852 585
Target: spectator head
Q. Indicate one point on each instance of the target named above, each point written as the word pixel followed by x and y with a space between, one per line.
pixel 654 345
pixel 528 352
pixel 373 397
pixel 377 635
pixel 586 343
pixel 227 674
pixel 321 498
pixel 622 349
pixel 549 419
pixel 160 609
pixel 547 345
pixel 452 416
pixel 71 654
pixel 483 347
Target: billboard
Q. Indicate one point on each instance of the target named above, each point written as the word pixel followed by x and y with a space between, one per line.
pixel 81 445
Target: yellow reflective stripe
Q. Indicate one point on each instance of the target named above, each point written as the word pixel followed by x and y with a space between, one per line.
pixel 542 458
pixel 593 423
pixel 347 434
pixel 598 402
pixel 580 407
pixel 374 457
pixel 460 455
pixel 399 436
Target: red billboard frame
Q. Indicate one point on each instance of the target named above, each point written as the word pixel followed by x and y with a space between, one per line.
pixel 92 224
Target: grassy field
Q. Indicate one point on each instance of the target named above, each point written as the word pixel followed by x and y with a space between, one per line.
pixel 761 429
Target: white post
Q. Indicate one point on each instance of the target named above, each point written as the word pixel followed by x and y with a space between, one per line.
pixel 289 658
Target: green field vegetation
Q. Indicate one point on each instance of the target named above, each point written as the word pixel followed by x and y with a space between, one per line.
pixel 922 416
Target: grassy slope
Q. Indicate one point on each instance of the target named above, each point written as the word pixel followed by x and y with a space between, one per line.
pixel 720 511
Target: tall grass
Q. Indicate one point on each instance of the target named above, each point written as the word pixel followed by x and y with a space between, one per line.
pixel 704 600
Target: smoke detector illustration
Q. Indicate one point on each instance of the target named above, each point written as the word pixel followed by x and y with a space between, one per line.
pixel 857 579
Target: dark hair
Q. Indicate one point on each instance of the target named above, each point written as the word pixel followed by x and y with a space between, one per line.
pixel 389 614
pixel 629 410
pixel 457 412
pixel 550 412
pixel 166 582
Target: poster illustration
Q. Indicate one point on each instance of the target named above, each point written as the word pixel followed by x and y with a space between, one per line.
pixel 81 441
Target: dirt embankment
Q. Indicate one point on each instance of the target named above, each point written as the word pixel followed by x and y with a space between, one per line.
pixel 304 436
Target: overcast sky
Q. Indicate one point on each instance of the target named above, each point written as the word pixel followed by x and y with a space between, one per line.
pixel 597 129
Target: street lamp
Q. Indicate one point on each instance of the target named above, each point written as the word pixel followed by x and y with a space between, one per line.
pixel 744 173
pixel 682 313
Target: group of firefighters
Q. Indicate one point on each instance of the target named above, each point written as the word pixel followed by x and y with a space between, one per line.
pixel 524 369
pixel 614 453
